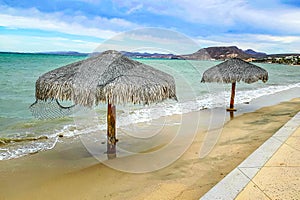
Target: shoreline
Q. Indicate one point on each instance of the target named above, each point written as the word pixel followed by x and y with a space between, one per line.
pixel 70 169
pixel 254 104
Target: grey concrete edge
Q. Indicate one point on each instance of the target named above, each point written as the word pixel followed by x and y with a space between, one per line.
pixel 232 184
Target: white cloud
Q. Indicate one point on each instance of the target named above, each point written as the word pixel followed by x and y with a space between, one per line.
pixel 78 25
pixel 278 20
pixel 233 14
pixel 136 41
pixel 39 44
pixel 52 25
pixel 271 16
pixel 208 11
pixel 278 39
pixel 259 42
pixel 204 11
pixel 151 39
pixel 134 9
pixel 280 24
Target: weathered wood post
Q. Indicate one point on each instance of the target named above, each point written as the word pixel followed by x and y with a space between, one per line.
pixel 111 131
pixel 231 115
pixel 231 107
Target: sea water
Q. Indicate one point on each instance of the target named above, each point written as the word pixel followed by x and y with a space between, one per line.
pixel 22 134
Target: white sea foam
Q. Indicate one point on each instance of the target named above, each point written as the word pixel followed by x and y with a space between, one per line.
pixel 145 114
pixel 19 150
pixel 202 102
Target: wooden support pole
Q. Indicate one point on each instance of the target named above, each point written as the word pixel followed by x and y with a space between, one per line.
pixel 231 107
pixel 231 115
pixel 111 131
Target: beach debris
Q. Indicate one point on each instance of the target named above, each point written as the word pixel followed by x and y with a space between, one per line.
pixel 35 152
pixel 109 77
pixel 4 141
pixel 234 70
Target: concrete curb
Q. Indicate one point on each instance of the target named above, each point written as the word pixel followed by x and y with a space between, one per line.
pixel 231 185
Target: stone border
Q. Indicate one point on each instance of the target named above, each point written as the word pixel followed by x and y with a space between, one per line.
pixel 231 185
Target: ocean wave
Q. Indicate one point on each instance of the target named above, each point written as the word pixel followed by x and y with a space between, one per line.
pixel 205 101
pixel 20 146
pixel 20 149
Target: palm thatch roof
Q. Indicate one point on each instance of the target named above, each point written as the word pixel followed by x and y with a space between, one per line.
pixel 108 77
pixel 235 70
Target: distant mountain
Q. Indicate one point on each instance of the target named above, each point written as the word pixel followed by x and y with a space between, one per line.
pixel 209 53
pixel 201 54
pixel 147 55
pixel 65 53
pixel 143 55
pixel 218 53
pixel 222 53
pixel 255 54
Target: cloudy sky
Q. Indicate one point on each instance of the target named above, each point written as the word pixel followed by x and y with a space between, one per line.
pixel 271 26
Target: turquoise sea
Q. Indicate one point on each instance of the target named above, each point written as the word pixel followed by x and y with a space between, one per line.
pixel 22 134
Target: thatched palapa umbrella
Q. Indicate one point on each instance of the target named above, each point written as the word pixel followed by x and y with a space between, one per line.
pixel 110 78
pixel 232 71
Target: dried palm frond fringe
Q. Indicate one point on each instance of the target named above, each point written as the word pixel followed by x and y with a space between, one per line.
pixel 235 70
pixel 109 77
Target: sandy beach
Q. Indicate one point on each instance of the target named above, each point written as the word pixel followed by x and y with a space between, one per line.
pixel 149 100
pixel 70 172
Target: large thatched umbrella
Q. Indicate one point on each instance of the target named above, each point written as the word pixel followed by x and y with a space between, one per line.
pixel 232 71
pixel 110 78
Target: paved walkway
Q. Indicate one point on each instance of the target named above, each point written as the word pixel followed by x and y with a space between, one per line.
pixel 272 172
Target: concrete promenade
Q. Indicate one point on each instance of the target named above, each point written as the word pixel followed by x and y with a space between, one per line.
pixel 272 172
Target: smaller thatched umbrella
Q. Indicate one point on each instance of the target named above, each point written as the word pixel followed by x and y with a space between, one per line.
pixel 109 78
pixel 232 71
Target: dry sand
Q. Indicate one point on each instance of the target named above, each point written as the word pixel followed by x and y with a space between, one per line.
pixel 70 172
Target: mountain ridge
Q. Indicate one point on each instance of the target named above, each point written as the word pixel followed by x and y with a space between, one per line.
pixel 222 53
pixel 208 53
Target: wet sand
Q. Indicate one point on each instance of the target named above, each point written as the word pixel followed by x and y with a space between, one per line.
pixel 71 172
